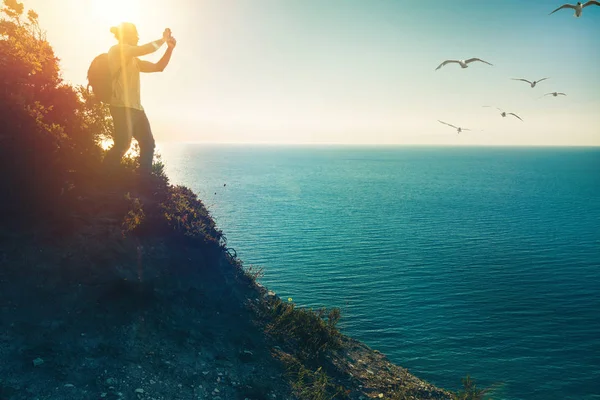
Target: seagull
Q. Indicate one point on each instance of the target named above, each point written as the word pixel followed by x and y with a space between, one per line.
pixel 531 83
pixel 463 63
pixel 504 114
pixel 458 129
pixel 555 94
pixel 577 7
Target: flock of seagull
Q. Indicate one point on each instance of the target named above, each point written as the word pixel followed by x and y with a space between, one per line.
pixel 578 7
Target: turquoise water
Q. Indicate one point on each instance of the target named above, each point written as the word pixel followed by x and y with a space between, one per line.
pixel 452 261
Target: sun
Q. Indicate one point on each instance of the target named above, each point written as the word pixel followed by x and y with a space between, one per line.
pixel 112 12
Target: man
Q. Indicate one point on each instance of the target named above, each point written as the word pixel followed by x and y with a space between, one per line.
pixel 128 115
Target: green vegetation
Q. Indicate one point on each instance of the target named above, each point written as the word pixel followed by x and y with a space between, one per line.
pixel 470 390
pixel 305 329
pixel 314 385
pixel 50 136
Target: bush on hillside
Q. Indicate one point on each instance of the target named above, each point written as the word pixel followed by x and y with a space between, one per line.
pixel 49 130
pixel 470 390
pixel 311 332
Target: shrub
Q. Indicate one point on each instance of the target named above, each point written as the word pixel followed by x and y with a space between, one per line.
pixel 470 390
pixel 49 131
pixel 306 329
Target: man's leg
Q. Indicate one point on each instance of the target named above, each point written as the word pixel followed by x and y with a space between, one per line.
pixel 124 122
pixel 143 134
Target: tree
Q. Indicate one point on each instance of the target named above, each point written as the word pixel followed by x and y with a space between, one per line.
pixel 49 130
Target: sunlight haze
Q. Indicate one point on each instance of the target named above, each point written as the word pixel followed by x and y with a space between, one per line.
pixel 348 71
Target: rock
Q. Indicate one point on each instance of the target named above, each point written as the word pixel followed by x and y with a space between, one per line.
pixel 245 356
pixel 37 362
pixel 139 390
pixel 111 381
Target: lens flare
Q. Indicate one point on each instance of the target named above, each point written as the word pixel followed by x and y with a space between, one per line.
pixel 113 12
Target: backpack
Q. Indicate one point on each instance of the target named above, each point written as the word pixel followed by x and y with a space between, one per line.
pixel 100 79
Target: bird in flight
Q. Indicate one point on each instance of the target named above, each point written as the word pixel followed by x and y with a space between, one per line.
pixel 555 94
pixel 458 128
pixel 577 7
pixel 504 114
pixel 462 63
pixel 531 83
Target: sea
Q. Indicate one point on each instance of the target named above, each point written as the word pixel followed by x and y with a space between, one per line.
pixel 452 261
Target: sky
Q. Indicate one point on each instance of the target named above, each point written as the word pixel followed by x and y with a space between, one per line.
pixel 351 71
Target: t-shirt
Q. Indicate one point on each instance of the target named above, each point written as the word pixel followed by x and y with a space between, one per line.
pixel 126 86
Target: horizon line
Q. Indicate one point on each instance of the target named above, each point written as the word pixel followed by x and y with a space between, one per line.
pixel 374 144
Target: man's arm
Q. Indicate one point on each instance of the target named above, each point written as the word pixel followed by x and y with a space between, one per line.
pixel 146 66
pixel 138 51
pixel 148 48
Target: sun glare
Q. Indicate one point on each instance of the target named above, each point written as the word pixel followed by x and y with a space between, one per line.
pixel 115 11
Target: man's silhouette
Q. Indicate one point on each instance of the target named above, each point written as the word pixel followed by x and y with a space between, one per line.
pixel 126 109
